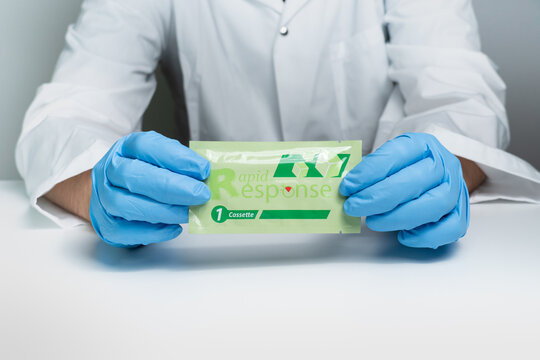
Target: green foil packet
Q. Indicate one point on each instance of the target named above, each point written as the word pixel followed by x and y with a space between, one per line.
pixel 275 187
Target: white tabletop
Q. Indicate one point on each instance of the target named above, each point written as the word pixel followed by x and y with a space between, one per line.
pixel 66 295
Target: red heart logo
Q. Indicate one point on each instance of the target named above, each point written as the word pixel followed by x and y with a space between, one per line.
pixel 288 188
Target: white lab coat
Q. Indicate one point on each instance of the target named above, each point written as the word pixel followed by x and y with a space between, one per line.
pixel 346 69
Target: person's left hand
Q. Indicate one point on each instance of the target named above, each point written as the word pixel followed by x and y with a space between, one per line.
pixel 412 184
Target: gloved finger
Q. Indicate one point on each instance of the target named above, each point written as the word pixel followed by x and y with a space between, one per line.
pixel 429 207
pixel 166 153
pixel 448 230
pixel 130 206
pixel 403 186
pixel 156 183
pixel 122 233
pixel 139 233
pixel 388 159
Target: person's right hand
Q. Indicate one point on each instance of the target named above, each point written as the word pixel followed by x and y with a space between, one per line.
pixel 142 187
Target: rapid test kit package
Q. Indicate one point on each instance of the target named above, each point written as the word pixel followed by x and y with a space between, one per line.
pixel 275 187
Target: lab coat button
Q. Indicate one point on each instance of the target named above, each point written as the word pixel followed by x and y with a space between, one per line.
pixel 284 30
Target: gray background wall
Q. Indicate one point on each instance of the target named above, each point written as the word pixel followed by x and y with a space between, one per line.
pixel 31 37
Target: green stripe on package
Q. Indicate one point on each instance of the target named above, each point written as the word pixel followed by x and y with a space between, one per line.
pixel 275 187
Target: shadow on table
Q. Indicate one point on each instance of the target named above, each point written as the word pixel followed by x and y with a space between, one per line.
pixel 201 252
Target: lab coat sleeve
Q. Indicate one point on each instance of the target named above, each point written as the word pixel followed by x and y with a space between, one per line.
pixel 447 87
pixel 102 84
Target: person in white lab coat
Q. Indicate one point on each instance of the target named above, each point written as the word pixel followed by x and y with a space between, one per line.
pixel 272 70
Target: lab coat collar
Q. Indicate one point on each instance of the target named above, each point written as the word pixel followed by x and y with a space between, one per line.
pixel 291 9
pixel 276 5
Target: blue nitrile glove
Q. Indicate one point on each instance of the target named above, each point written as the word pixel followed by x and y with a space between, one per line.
pixel 413 184
pixel 142 187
